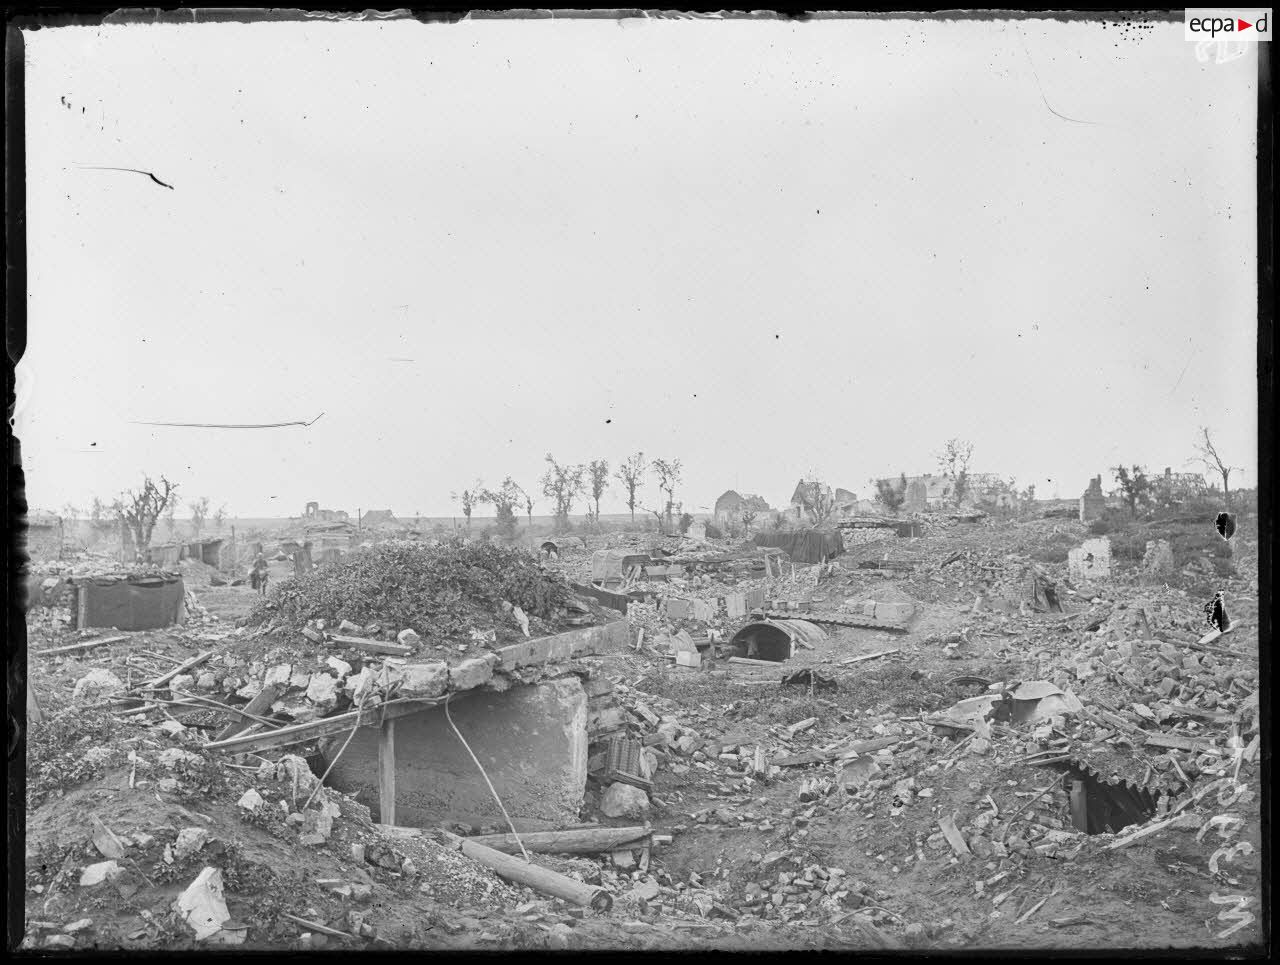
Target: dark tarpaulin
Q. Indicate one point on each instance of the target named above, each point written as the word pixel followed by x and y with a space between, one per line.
pixel 804 546
pixel 146 603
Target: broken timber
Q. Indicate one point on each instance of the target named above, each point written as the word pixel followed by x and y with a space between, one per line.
pixel 328 726
pixel 531 875
pixel 371 646
pixel 838 619
pixel 580 841
pixel 87 645
pixel 257 707
pixel 848 750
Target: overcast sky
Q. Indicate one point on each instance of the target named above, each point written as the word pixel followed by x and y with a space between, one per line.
pixel 762 248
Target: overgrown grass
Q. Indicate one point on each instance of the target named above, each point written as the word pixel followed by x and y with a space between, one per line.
pixel 58 749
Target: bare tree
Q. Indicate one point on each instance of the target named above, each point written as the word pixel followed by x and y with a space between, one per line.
pixel 199 512
pixel 598 475
pixel 630 473
pixel 504 499
pixel 468 498
pixel 1135 487
pixel 528 505
pixel 954 462
pixel 892 495
pixel 562 485
pixel 139 510
pixel 668 479
pixel 1213 462
pixel 219 519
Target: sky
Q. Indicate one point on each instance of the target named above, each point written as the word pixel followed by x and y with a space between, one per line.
pixel 766 249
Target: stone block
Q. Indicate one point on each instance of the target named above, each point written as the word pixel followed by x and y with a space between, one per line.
pixel 471 673
pixel 424 679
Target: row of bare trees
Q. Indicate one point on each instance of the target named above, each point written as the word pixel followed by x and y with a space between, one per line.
pixel 565 484
pixel 135 513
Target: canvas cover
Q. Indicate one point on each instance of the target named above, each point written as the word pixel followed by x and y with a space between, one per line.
pixel 607 564
pixel 804 546
pixel 141 603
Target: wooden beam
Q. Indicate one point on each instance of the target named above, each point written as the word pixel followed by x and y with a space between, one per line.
pixel 583 841
pixel 848 750
pixel 1079 806
pixel 533 876
pixel 328 726
pixel 87 645
pixel 371 646
pixel 258 707
pixel 387 773
pixel 181 668
pixel 1179 743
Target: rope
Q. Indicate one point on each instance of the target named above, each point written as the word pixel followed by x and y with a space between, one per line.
pixel 337 756
pixel 510 823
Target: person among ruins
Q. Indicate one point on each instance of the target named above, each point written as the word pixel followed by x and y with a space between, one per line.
pixel 258 575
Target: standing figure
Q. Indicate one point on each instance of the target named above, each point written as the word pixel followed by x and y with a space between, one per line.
pixel 258 575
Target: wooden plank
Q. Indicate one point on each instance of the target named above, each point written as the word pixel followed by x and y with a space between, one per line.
pixel 181 668
pixel 869 656
pixel 257 707
pixel 371 646
pixel 582 841
pixel 328 726
pixel 847 750
pixel 635 780
pixel 750 662
pixel 1079 806
pixel 387 773
pixel 88 645
pixel 1179 743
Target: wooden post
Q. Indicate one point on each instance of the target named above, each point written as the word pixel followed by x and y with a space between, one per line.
pixel 387 773
pixel 1079 806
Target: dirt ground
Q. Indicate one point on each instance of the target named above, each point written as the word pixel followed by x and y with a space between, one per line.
pixel 789 859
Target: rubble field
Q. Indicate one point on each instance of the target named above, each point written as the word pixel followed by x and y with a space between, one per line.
pixel 978 738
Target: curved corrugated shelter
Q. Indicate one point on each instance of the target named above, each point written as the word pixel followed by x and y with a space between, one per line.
pixel 772 639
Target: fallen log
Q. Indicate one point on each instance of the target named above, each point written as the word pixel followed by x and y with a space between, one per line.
pixel 533 876
pixel 582 841
pixel 87 645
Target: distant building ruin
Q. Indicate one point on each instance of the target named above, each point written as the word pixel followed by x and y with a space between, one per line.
pixel 315 514
pixel 1092 503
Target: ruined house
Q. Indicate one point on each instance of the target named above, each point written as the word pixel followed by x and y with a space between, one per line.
pixel 314 513
pixel 378 517
pixel 729 507
pixel 814 497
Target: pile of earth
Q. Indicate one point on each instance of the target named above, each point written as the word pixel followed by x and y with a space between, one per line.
pixel 443 592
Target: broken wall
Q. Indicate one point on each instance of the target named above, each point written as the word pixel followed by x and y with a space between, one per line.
pixel 1091 560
